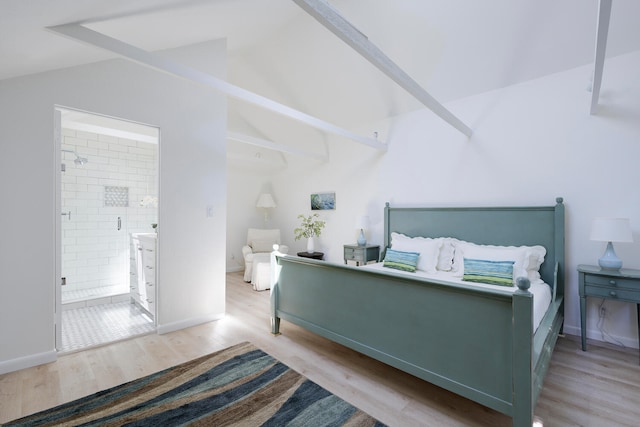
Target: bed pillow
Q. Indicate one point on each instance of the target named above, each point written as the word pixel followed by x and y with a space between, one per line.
pixel 447 254
pixel 518 254
pixel 262 245
pixel 427 247
pixel 536 258
pixel 405 261
pixel 489 272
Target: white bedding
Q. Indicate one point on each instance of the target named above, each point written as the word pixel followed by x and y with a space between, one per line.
pixel 540 290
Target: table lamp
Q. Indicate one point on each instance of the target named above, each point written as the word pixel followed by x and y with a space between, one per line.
pixel 362 223
pixel 610 230
pixel 266 202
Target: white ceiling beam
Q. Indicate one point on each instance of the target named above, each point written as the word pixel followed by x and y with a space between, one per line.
pixel 604 15
pixel 338 25
pixel 235 136
pixel 93 38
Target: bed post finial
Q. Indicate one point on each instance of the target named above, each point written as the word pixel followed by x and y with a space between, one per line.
pixel 523 283
pixel 559 200
pixel 386 205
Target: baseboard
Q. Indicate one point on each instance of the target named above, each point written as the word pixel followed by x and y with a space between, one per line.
pixel 28 361
pixel 176 326
pixel 595 335
pixel 234 269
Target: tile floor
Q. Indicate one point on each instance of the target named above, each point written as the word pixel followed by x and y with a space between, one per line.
pixel 99 324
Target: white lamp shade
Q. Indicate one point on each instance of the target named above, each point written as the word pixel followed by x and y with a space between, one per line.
pixel 611 230
pixel 266 201
pixel 362 222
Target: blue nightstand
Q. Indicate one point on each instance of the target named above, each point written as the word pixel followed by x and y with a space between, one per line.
pixel 621 285
pixel 361 254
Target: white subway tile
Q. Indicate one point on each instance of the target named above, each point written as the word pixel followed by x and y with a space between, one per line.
pixel 97 174
pixel 97 261
pixel 86 135
pixel 127 142
pixel 109 154
pixel 107 138
pixel 68 179
pixel 121 163
pixel 75 187
pixel 87 151
pixel 72 143
pixel 68 264
pixel 117 146
pixel 73 170
pixel 99 145
pixel 87 180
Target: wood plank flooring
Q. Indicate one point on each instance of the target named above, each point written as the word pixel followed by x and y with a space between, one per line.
pixel 600 387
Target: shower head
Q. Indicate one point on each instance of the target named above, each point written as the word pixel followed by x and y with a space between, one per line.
pixel 78 160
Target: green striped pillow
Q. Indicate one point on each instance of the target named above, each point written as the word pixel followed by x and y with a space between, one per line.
pixel 405 261
pixel 490 272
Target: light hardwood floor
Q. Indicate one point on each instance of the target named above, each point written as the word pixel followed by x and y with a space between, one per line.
pixel 600 387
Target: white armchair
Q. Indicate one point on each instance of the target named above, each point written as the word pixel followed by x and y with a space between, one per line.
pixel 259 247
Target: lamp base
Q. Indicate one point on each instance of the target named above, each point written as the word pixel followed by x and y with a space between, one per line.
pixel 362 240
pixel 609 260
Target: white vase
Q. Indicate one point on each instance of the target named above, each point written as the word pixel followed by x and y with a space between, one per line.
pixel 310 245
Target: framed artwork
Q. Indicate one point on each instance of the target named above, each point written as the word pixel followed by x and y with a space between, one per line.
pixel 323 201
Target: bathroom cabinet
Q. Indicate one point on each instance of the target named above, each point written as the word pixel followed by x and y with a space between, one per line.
pixel 143 276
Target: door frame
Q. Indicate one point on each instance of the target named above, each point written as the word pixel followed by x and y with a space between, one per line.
pixel 57 141
pixel 57 146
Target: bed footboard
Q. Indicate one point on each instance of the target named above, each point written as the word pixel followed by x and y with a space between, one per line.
pixel 427 329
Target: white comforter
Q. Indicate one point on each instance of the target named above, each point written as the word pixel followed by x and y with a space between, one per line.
pixel 540 290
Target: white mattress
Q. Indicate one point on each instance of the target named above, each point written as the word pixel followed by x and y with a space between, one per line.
pixel 540 290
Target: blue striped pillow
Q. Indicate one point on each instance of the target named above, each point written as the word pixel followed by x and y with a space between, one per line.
pixel 490 272
pixel 405 261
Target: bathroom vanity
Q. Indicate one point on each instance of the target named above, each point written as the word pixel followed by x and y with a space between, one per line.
pixel 143 276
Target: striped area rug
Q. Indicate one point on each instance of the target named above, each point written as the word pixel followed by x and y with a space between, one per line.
pixel 238 386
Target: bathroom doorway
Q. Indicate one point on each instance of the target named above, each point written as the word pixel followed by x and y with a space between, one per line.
pixel 107 196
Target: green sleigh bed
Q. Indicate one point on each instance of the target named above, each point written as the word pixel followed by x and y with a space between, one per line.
pixel 478 343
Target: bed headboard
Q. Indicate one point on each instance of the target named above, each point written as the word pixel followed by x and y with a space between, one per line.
pixel 505 226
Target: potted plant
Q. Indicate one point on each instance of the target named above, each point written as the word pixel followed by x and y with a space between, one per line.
pixel 310 227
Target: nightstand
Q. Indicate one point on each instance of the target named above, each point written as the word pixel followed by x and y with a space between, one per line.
pixel 621 285
pixel 361 254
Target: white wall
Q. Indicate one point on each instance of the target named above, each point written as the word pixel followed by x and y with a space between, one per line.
pixel 192 122
pixel 532 142
pixel 248 177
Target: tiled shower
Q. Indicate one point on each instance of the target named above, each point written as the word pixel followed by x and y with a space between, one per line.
pixel 103 200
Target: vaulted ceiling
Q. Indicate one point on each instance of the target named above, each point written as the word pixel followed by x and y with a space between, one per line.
pixel 453 48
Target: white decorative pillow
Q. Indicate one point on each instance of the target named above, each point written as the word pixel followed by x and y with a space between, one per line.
pixel 447 253
pixel 536 258
pixel 457 266
pixel 262 245
pixel 427 247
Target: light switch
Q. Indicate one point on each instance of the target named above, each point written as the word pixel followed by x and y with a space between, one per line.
pixel 209 211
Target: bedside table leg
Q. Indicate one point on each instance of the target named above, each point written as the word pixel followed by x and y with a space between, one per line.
pixel 583 322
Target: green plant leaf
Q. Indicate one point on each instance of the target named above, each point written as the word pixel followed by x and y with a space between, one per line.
pixel 310 226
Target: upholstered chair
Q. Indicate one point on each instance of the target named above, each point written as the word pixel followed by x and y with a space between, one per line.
pixel 259 247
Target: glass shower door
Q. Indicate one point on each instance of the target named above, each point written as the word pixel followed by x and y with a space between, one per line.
pixel 95 238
